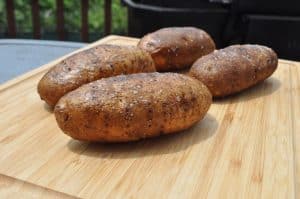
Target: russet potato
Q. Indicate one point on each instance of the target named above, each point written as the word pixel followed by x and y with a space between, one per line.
pixel 132 107
pixel 90 65
pixel 177 47
pixel 235 68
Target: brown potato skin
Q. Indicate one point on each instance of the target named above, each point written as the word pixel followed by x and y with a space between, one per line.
pixel 177 47
pixel 132 107
pixel 90 65
pixel 235 68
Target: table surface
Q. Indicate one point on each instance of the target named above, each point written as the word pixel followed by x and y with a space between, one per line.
pixel 18 56
pixel 245 147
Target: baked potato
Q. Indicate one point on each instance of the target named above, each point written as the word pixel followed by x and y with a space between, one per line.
pixel 235 68
pixel 90 65
pixel 176 48
pixel 132 107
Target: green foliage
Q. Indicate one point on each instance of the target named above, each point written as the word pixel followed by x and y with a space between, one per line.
pixel 47 14
pixel 119 18
pixel 3 23
pixel 72 14
pixel 22 15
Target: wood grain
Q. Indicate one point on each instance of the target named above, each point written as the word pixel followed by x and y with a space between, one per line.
pixel 13 188
pixel 246 147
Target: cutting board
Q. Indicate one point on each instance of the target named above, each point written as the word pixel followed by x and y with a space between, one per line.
pixel 245 147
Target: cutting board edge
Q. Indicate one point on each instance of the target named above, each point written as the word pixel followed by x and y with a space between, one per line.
pixel 46 66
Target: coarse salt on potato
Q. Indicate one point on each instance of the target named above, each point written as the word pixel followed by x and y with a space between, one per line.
pixel 132 107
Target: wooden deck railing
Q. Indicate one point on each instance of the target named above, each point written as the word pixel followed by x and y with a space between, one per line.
pixel 11 22
pixel 60 30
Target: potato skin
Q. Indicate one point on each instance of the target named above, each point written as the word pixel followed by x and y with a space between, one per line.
pixel 177 47
pixel 235 68
pixel 90 65
pixel 132 107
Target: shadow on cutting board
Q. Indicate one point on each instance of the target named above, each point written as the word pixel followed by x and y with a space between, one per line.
pixel 262 89
pixel 48 108
pixel 149 147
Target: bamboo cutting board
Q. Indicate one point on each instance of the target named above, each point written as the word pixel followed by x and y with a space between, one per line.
pixel 245 147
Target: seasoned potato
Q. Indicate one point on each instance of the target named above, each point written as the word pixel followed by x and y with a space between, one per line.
pixel 132 107
pixel 176 48
pixel 90 65
pixel 235 68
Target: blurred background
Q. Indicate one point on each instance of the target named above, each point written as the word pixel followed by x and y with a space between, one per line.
pixel 61 19
pixel 274 23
